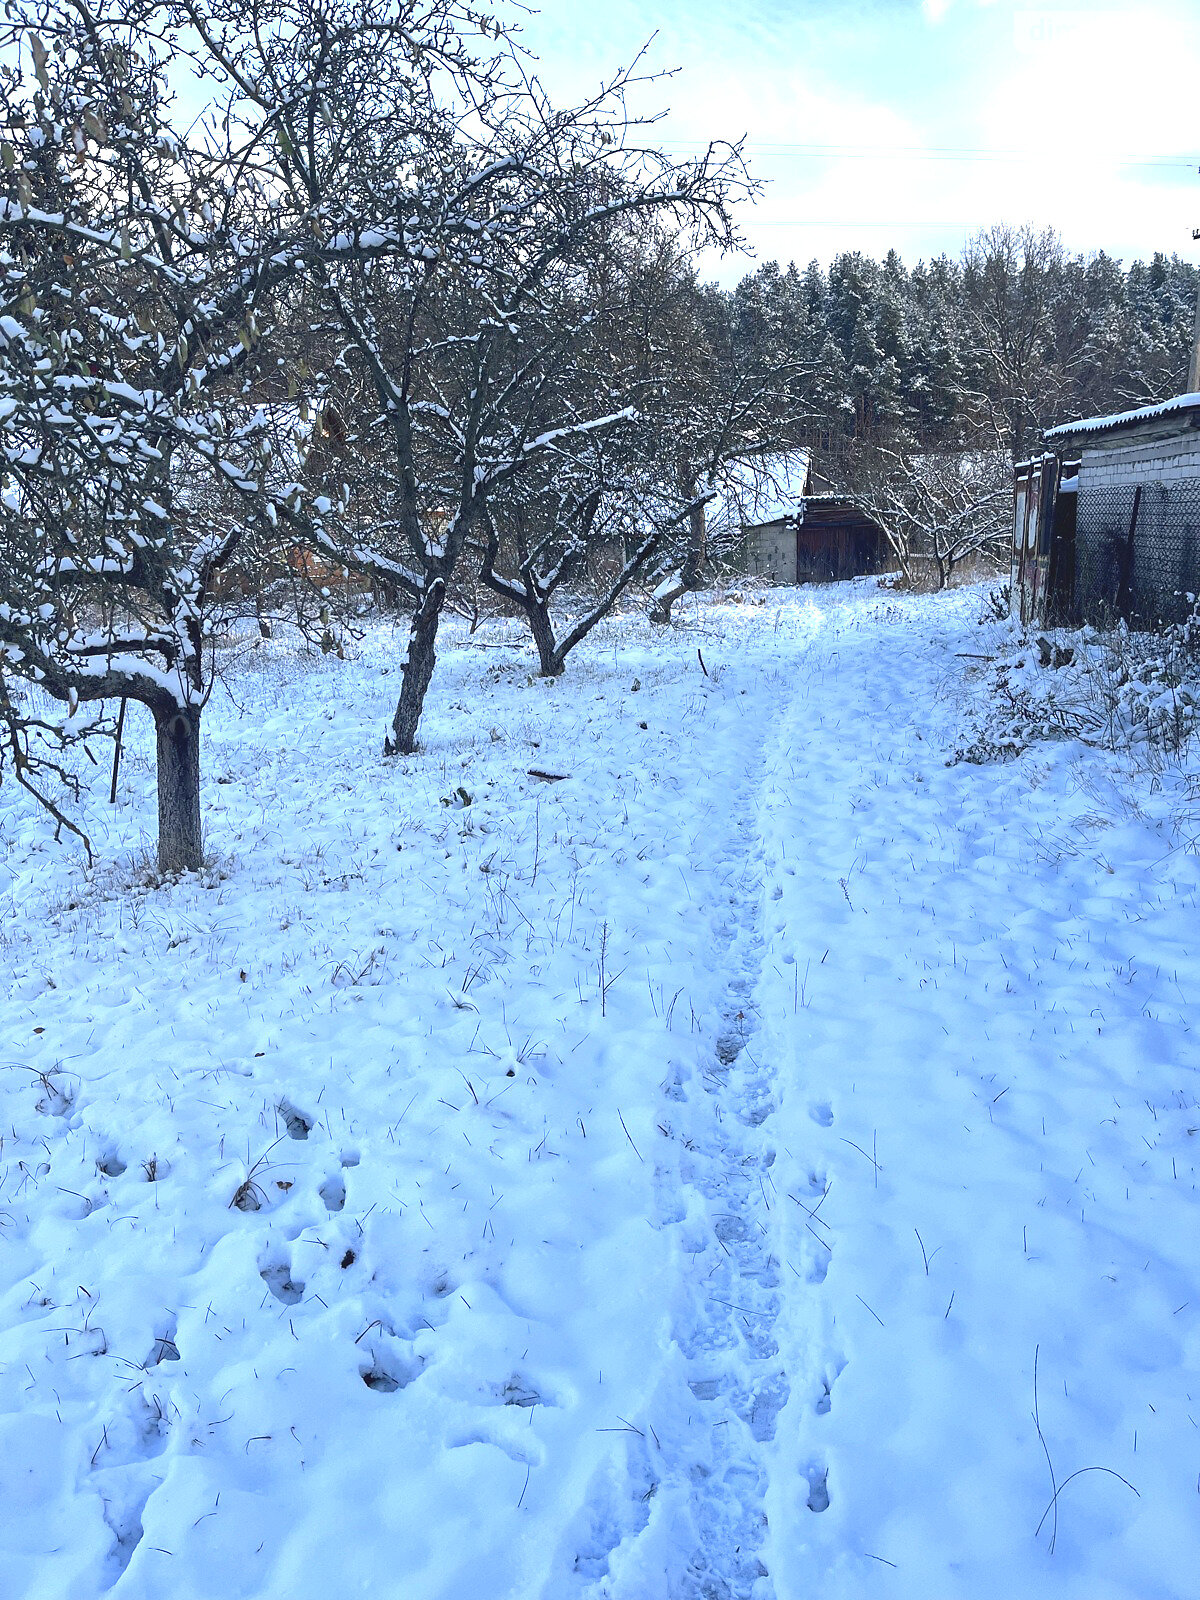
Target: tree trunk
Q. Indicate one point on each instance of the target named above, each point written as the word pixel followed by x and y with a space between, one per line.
pixel 418 670
pixel 690 573
pixel 660 609
pixel 180 845
pixel 550 663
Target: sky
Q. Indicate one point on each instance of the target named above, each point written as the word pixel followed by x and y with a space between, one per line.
pixel 914 123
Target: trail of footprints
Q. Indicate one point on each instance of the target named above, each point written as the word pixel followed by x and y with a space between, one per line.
pixel 728 1337
pixel 275 1268
pixel 816 1270
pixel 728 1334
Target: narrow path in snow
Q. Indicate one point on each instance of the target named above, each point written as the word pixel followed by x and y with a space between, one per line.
pixel 882 1165
pixel 702 1450
pixel 976 993
pixel 726 1326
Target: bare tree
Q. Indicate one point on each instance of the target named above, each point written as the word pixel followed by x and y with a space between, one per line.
pixel 592 517
pixel 605 516
pixel 469 212
pixel 721 413
pixel 942 506
pixel 140 266
pixel 146 262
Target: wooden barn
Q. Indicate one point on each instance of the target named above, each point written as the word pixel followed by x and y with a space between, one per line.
pixel 835 539
pixel 821 539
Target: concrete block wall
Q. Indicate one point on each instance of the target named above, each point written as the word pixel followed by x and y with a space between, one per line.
pixel 771 551
pixel 1166 553
pixel 1132 461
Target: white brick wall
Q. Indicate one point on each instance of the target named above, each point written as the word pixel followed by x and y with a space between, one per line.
pixel 771 551
pixel 1165 464
pixel 1164 460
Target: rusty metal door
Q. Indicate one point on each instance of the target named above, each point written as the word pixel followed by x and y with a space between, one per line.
pixel 1035 487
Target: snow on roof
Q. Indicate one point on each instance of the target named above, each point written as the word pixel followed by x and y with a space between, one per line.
pixel 1126 419
pixel 764 490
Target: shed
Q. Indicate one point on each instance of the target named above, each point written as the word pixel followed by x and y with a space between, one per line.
pixel 1137 538
pixel 836 539
pixel 812 538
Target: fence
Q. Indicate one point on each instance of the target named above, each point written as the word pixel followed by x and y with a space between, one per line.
pixel 1138 552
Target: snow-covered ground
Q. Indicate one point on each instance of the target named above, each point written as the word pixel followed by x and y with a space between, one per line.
pixel 760 1164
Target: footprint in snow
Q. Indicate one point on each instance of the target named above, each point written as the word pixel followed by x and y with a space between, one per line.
pixel 818 1489
pixel 768 1402
pixel 389 1371
pixel 297 1124
pixel 757 1114
pixel 278 1279
pixel 822 1114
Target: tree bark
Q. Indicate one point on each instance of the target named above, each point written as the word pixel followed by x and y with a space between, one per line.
pixel 418 670
pixel 550 663
pixel 180 842
pixel 690 572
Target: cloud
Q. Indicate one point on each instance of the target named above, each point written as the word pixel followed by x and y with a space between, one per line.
pixel 914 125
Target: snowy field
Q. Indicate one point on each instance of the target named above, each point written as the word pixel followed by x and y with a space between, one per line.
pixel 759 1166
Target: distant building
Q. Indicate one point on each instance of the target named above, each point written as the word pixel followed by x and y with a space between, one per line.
pixel 1108 527
pixel 791 534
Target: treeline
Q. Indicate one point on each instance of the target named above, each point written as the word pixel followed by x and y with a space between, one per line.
pixel 1009 338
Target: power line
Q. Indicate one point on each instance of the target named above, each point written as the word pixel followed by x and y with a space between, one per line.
pixel 840 222
pixel 913 152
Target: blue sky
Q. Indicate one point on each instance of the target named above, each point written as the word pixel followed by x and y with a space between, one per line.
pixel 943 116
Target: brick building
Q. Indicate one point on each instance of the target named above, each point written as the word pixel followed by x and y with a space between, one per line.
pixel 1136 538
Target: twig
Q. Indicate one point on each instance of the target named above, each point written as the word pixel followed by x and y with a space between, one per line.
pixel 1063 1485
pixel 875 1314
pixel 924 1257
pixel 116 766
pixel 862 1152
pixel 629 1136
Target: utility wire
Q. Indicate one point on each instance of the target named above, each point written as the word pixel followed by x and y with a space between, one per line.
pixel 912 152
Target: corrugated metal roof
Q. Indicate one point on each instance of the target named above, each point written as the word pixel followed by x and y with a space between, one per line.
pixel 1126 419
